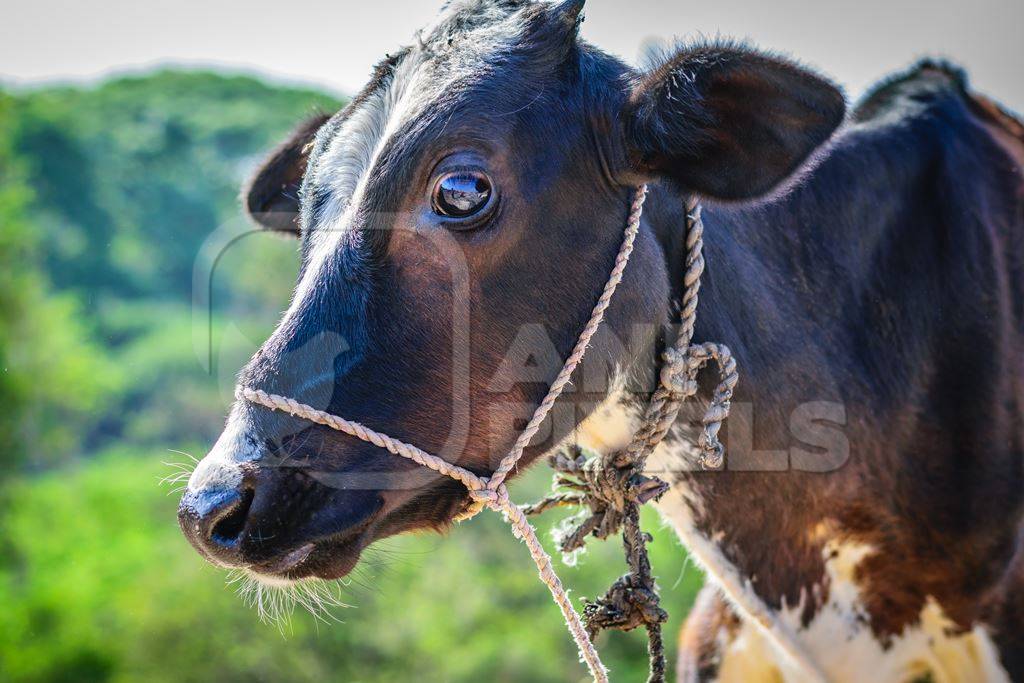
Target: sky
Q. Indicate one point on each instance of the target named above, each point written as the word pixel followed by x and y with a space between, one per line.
pixel 334 44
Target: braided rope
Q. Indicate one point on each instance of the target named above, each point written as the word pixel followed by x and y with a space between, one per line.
pixel 604 487
pixel 522 528
pixel 360 431
pixel 480 489
pixel 691 278
pixel 681 364
pixel 614 486
pixel 596 316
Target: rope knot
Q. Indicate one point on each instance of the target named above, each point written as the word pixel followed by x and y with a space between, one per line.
pixel 679 381
pixel 479 498
pixel 484 495
pixel 602 486
pixel 627 605
pixel 679 372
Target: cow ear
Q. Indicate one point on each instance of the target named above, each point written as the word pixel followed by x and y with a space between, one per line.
pixel 727 122
pixel 271 197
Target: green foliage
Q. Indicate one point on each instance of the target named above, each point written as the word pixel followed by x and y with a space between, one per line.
pixel 53 375
pixel 107 195
pixel 146 161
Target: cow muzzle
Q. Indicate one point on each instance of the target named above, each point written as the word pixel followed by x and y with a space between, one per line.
pixel 282 517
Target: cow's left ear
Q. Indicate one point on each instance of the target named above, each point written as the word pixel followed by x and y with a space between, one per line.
pixel 271 197
pixel 727 122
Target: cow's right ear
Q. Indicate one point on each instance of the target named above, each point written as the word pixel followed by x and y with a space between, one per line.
pixel 272 195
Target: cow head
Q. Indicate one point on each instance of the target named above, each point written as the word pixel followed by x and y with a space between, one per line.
pixel 456 222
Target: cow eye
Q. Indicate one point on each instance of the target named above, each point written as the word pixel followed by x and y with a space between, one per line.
pixel 461 194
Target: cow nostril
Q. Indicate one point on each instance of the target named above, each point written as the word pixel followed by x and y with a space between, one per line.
pixel 231 521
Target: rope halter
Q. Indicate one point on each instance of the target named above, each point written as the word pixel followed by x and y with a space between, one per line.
pixel 682 362
pixel 491 491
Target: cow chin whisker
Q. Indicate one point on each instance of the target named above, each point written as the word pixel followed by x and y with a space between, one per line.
pixel 275 598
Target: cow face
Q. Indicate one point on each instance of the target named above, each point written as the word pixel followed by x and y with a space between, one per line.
pixel 456 223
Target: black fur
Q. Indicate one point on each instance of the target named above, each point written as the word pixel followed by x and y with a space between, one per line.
pixel 271 197
pixel 727 122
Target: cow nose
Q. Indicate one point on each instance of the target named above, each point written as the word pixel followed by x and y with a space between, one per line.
pixel 215 507
pixel 213 518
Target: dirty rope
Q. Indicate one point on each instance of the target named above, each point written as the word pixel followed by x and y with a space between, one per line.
pixel 612 486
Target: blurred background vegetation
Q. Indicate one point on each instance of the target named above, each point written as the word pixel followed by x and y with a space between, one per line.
pixel 106 195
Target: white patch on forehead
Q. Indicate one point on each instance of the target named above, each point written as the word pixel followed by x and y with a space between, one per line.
pixel 346 165
pixel 355 147
pixel 345 168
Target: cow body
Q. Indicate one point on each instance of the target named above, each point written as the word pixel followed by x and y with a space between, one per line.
pixel 895 293
pixel 457 221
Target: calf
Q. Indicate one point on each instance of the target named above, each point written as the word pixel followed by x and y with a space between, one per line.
pixel 456 222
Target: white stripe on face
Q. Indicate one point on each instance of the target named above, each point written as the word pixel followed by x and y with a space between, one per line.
pixel 419 80
pixel 346 169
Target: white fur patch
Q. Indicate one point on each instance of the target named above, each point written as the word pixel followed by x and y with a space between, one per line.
pixel 610 426
pixel 347 164
pixel 843 645
pixel 219 470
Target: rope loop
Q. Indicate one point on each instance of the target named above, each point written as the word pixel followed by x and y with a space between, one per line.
pixel 713 452
pixel 674 375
